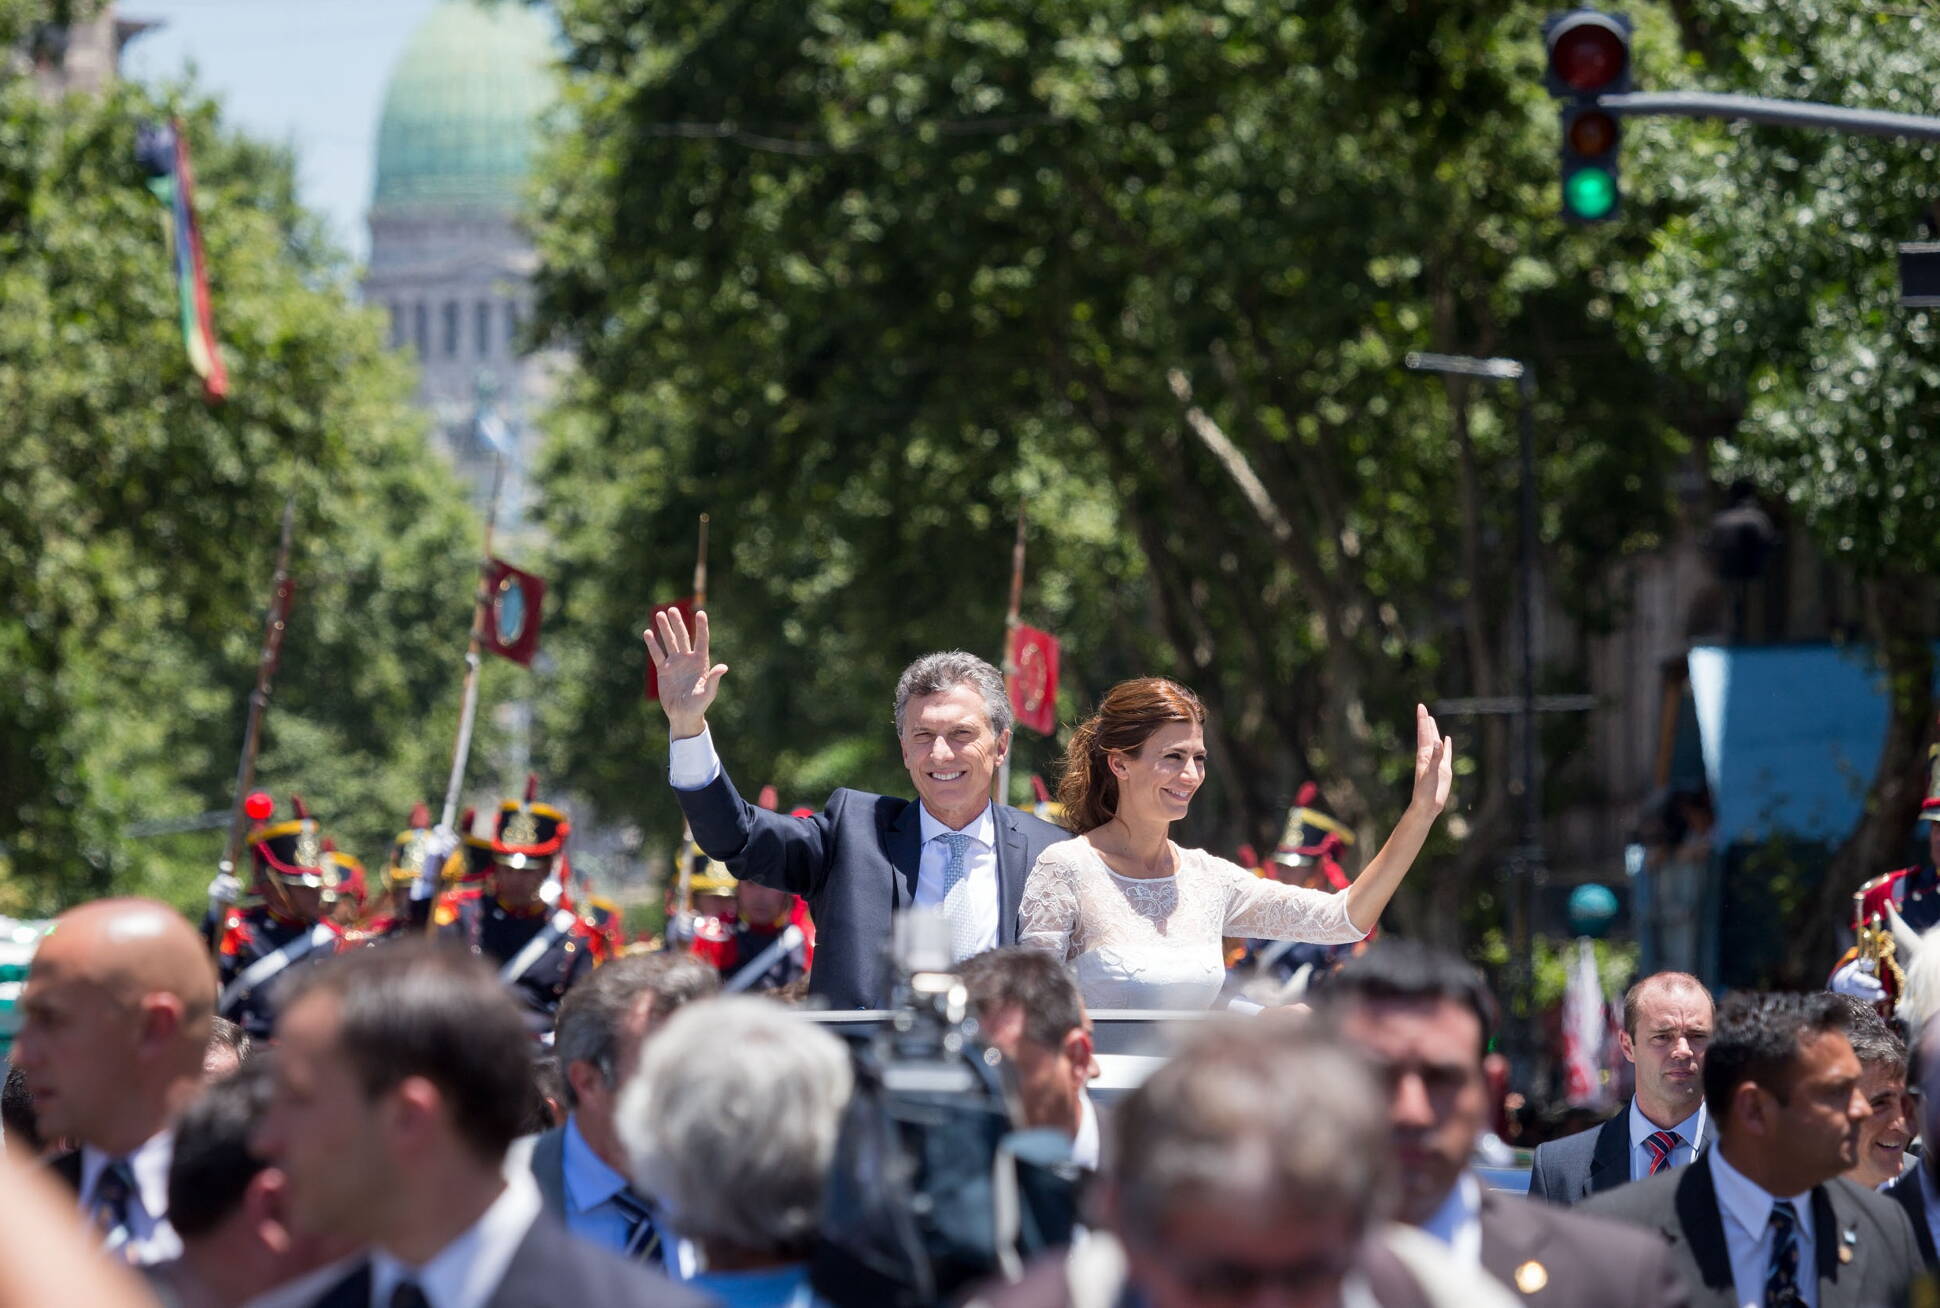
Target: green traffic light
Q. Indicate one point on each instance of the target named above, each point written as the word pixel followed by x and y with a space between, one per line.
pixel 1590 194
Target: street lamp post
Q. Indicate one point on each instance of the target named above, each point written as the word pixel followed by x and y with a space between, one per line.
pixel 1527 863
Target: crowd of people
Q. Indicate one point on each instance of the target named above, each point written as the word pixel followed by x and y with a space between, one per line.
pixel 475 1098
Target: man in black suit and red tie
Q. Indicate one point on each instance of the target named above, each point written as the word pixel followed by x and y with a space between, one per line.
pixel 400 1079
pixel 1765 1217
pixel 866 857
pixel 1666 1024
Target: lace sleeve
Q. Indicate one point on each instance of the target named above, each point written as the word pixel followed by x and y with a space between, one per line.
pixel 1259 908
pixel 1048 914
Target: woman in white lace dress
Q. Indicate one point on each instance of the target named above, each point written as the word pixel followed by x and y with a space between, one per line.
pixel 1141 920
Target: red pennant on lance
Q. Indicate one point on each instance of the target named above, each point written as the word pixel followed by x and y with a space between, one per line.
pixel 512 612
pixel 1034 686
pixel 684 607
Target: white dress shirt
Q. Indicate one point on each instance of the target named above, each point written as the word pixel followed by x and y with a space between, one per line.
pixel 981 897
pixel 150 1237
pixel 1747 1213
pixel 692 763
pixel 1458 1222
pixel 466 1272
pixel 1691 1129
pixel 1087 1144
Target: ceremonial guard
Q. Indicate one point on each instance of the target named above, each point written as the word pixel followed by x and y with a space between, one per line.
pixel 759 939
pixel 1871 969
pixel 349 892
pixel 1307 855
pixel 541 950
pixel 396 913
pixel 263 945
pixel 467 872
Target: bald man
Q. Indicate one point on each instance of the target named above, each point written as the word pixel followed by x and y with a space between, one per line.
pixel 114 1021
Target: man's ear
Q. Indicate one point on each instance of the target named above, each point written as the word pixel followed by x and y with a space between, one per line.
pixel 1078 1052
pixel 1003 744
pixel 162 1016
pixel 1627 1045
pixel 265 1209
pixel 1752 1107
pixel 413 1108
pixel 585 1079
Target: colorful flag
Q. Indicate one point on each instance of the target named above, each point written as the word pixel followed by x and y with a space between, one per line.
pixel 514 600
pixel 164 153
pixel 1033 680
pixel 1583 1031
pixel 684 607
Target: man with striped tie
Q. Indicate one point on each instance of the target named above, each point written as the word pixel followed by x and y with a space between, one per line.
pixel 581 1166
pixel 115 1019
pixel 866 857
pixel 1667 1021
pixel 1765 1217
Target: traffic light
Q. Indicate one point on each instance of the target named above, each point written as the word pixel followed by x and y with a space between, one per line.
pixel 1589 57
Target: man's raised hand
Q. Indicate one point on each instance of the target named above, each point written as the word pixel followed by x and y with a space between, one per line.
pixel 688 682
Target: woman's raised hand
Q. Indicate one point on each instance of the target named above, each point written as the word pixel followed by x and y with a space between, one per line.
pixel 1434 764
pixel 688 681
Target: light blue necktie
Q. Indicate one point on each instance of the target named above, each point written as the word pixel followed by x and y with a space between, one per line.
pixel 965 938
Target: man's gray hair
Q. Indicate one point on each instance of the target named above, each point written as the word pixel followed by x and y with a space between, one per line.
pixel 731 1119
pixel 1256 1114
pixel 588 1027
pixel 950 668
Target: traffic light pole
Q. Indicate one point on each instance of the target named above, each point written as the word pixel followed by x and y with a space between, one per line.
pixel 1779 113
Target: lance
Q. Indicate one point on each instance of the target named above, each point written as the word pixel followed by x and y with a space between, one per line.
pixel 468 713
pixel 282 588
pixel 1011 619
pixel 683 874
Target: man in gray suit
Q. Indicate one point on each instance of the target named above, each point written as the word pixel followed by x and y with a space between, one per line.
pixel 1765 1217
pixel 400 1076
pixel 1667 1021
pixel 581 1165
pixel 1423 1019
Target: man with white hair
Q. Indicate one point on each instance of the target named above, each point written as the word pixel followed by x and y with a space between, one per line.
pixel 730 1121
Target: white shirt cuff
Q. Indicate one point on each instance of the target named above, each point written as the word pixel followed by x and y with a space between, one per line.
pixel 692 763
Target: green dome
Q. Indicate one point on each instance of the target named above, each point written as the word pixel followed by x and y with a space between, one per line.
pixel 462 109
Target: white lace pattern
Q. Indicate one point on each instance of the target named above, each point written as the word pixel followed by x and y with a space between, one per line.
pixel 1154 942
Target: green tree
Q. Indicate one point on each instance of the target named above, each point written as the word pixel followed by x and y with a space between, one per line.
pixel 1771 296
pixel 859 286
pixel 138 524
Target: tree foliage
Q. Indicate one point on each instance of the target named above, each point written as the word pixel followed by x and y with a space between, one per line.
pixel 859 278
pixel 138 524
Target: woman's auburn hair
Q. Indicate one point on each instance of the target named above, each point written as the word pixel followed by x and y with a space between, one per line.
pixel 1126 718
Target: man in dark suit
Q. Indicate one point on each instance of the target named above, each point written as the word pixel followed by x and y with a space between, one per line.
pixel 580 1165
pixel 1918 1189
pixel 399 1082
pixel 865 857
pixel 1764 1216
pixel 1667 1021
pixel 1423 1018
pixel 114 1022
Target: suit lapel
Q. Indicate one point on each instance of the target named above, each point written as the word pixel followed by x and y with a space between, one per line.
pixel 1702 1226
pixel 903 842
pixel 353 1291
pixel 1011 871
pixel 1827 1239
pixel 1610 1161
pixel 1508 1239
pixel 1907 1194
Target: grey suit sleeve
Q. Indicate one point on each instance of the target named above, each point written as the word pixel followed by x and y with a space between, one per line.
pixel 1539 1183
pixel 787 853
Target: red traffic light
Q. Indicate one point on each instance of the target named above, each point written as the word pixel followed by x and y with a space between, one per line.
pixel 1589 53
pixel 1592 133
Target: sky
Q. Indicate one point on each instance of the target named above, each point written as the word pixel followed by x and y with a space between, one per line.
pixel 305 73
